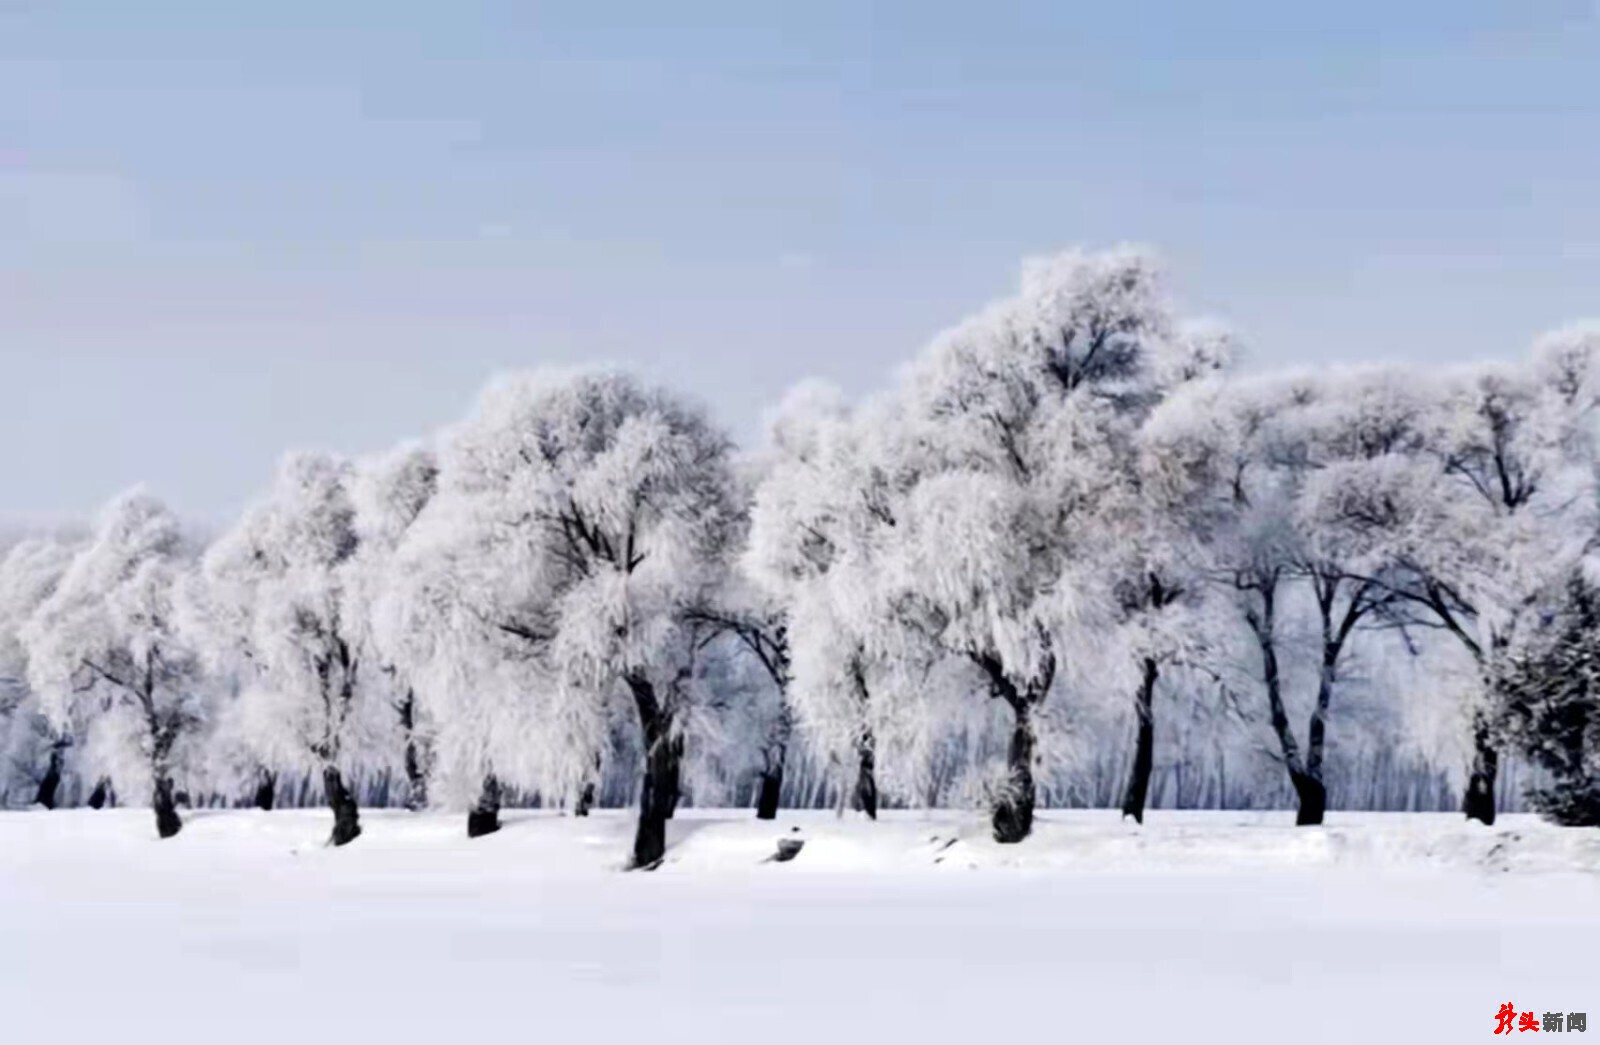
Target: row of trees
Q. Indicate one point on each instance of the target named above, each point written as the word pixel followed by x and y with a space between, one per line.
pixel 1065 506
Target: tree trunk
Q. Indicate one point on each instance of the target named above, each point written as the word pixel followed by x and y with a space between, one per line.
pixel 1478 802
pixel 1133 798
pixel 775 754
pixel 102 791
pixel 346 818
pixel 266 790
pixel 586 795
pixel 484 817
pixel 1013 811
pixel 864 796
pixel 658 797
pixel 1313 797
pixel 658 794
pixel 166 807
pixel 50 784
pixel 1309 785
pixel 416 778
pixel 770 792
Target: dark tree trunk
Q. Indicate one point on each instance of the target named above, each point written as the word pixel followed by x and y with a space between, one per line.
pixel 164 802
pixel 1138 789
pixel 770 792
pixel 1478 802
pixel 1013 807
pixel 775 754
pixel 416 778
pixel 346 818
pixel 1013 811
pixel 1309 784
pixel 266 790
pixel 864 798
pixel 658 795
pixel 1313 797
pixel 417 783
pixel 586 795
pixel 484 817
pixel 101 792
pixel 50 784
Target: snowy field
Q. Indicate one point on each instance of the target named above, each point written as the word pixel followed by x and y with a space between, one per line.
pixel 1197 927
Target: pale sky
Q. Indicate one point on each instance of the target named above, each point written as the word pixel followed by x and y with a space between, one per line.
pixel 227 230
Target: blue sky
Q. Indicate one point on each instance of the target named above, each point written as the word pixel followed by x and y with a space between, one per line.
pixel 227 230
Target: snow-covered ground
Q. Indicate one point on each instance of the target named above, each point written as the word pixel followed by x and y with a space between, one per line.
pixel 1197 927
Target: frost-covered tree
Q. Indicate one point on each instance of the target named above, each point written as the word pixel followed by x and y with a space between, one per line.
pixel 464 569
pixel 823 492
pixel 1500 505
pixel 756 621
pixel 1209 466
pixel 1324 490
pixel 1546 699
pixel 582 524
pixel 389 492
pixel 468 574
pixel 1522 455
pixel 1470 571
pixel 105 653
pixel 34 751
pixel 766 638
pixel 758 629
pixel 1351 451
pixel 1158 564
pixel 271 605
pixel 1017 426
